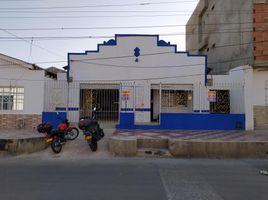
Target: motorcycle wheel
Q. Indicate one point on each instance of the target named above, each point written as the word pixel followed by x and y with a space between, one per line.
pixel 72 134
pixel 93 145
pixel 56 146
pixel 101 133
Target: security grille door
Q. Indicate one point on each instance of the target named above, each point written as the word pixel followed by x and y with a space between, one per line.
pixel 106 101
pixel 222 104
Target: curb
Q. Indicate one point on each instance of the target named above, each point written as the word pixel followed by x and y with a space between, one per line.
pixel 19 146
pixel 122 146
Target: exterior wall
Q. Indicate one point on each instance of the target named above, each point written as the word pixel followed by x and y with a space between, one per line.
pixel 159 64
pixel 115 63
pixel 187 121
pixel 260 117
pixel 218 29
pixel 122 66
pixel 260 90
pixel 260 99
pixel 245 43
pixel 13 74
pixel 14 121
pixel 260 31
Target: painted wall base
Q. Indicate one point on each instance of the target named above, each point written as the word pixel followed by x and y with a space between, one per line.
pixel 187 121
pixel 53 118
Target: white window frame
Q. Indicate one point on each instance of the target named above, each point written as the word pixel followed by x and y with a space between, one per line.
pixel 12 98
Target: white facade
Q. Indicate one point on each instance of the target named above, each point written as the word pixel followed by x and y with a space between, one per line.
pixel 260 87
pixel 16 73
pixel 156 63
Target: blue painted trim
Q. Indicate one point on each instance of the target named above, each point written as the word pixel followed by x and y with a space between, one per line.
pixel 60 109
pixel 54 118
pixel 73 109
pixel 126 109
pixel 161 44
pixel 202 111
pixel 143 109
pixel 110 42
pixel 188 121
pixel 64 109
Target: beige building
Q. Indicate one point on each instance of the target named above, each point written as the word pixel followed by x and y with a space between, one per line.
pixel 232 34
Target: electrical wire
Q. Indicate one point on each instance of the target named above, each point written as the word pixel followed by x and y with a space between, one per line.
pixel 104 37
pixel 96 6
pixel 38 46
pixel 106 27
pixel 136 79
pixel 132 11
pixel 128 56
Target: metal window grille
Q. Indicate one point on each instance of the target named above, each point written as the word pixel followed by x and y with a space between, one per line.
pixel 176 101
pixel 11 98
pixel 222 103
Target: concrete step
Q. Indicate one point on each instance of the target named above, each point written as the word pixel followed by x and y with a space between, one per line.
pixel 153 143
pixel 153 152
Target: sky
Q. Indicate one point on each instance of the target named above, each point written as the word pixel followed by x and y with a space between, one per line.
pixel 44 31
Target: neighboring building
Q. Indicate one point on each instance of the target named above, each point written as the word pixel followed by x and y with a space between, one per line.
pixel 232 34
pixel 21 93
pixel 141 82
pixel 52 72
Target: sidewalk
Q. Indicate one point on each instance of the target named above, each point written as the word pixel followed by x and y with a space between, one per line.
pixel 232 144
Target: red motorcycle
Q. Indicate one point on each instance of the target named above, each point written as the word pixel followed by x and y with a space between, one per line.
pixel 58 137
pixel 70 132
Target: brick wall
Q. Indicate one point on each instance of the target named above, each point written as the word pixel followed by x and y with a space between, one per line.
pixel 260 31
pixel 260 117
pixel 19 121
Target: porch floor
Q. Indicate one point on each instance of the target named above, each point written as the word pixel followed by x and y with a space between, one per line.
pixel 236 136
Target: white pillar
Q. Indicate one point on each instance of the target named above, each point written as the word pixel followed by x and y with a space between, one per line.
pixel 248 96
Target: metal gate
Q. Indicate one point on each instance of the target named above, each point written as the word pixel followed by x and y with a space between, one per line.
pixel 222 102
pixel 105 99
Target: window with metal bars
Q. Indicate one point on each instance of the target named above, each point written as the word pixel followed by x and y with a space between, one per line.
pixel 11 98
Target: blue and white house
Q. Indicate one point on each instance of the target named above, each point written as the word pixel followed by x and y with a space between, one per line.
pixel 142 82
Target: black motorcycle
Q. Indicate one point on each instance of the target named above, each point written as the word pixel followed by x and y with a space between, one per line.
pixel 92 131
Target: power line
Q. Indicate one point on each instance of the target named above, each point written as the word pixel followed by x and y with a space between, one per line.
pixel 109 27
pixel 89 16
pixel 131 79
pixel 105 37
pixel 40 47
pixel 127 27
pixel 96 6
pixel 97 11
pixel 131 56
pixel 141 67
pixel 182 12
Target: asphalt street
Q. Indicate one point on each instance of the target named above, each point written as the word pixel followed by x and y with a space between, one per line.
pixel 132 178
